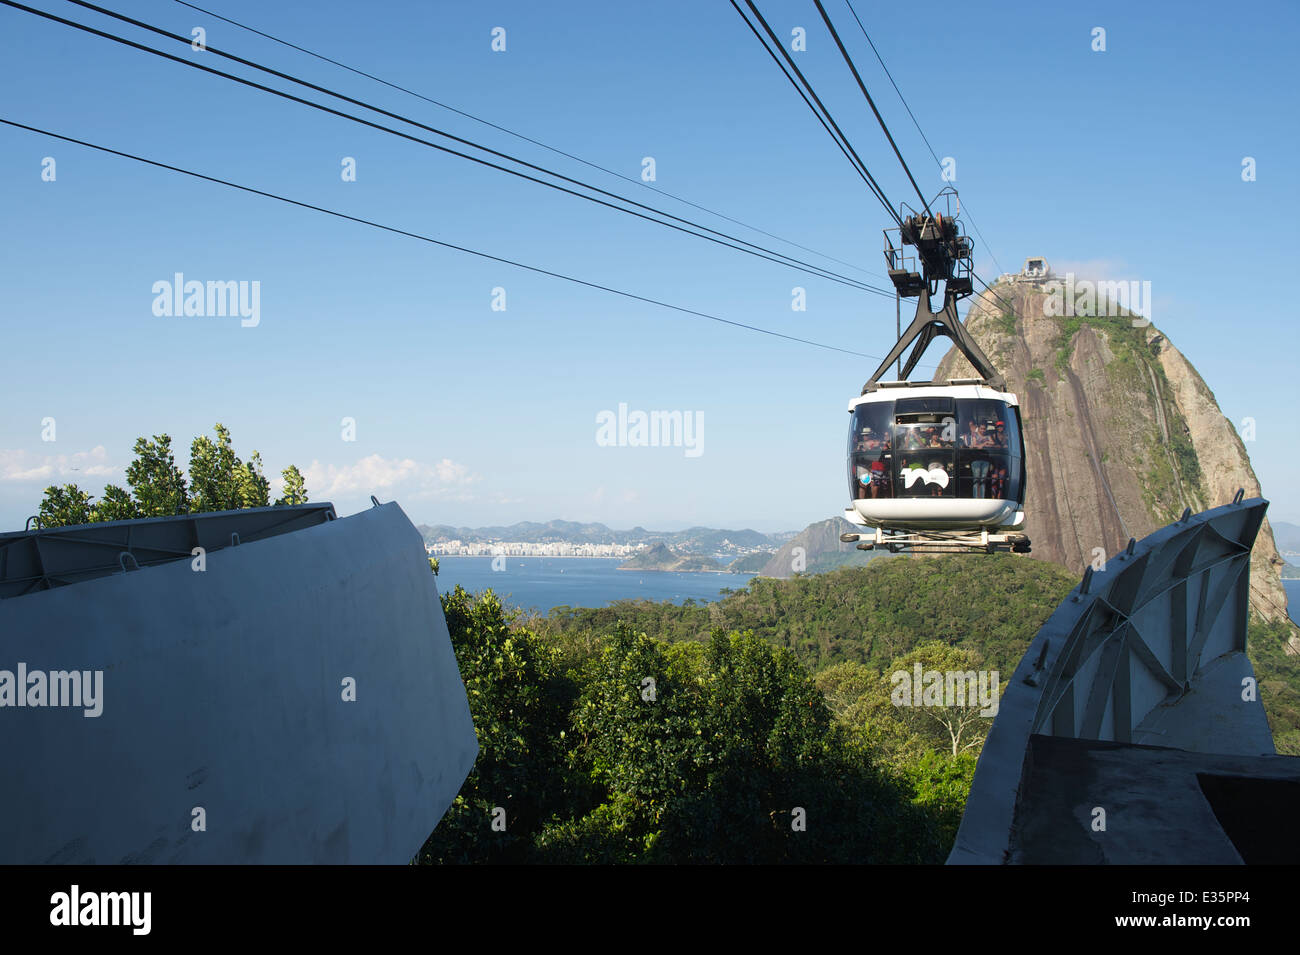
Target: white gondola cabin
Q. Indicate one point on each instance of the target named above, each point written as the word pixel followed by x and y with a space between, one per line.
pixel 937 465
pixel 947 457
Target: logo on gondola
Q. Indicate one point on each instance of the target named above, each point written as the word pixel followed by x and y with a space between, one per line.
pixel 933 476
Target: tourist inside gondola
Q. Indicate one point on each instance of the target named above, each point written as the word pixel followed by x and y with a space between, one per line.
pixel 946 448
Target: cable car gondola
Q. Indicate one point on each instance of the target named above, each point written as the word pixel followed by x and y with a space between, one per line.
pixel 935 466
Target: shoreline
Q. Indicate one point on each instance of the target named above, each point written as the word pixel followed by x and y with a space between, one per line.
pixel 670 570
pixel 666 570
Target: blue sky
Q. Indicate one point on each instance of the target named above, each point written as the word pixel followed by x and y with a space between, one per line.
pixel 1126 163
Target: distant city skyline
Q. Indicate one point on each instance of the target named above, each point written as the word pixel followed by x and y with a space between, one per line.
pixel 475 393
pixel 459 548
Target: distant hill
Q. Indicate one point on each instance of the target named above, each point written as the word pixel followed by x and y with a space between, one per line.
pixel 750 563
pixel 1287 537
pixel 817 549
pixel 693 540
pixel 659 557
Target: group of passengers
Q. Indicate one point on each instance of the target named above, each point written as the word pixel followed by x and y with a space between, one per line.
pixel 991 434
pixel 919 439
pixel 988 480
pixel 872 476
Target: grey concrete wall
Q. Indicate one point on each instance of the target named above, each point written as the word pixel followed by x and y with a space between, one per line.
pixel 223 690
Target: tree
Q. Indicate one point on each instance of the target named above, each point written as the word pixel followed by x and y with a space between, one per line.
pixel 252 487
pixel 844 684
pixel 617 747
pixel 870 615
pixel 116 505
pixel 909 718
pixel 295 488
pixel 219 481
pixel 941 782
pixel 720 752
pixel 157 484
pixel 765 735
pixel 65 506
pixel 519 700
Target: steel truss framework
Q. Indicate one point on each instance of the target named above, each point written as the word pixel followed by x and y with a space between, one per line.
pixel 1151 625
pixel 1137 656
pixel 937 542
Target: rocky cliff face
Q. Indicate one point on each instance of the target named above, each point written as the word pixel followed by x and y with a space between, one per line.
pixel 1121 432
pixel 815 549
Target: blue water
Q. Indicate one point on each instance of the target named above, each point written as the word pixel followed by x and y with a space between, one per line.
pixel 542 583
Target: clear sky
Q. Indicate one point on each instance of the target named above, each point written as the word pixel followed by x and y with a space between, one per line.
pixel 1125 162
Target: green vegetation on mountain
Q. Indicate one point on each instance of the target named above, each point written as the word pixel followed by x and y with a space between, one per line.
pixel 616 747
pixel 869 615
pixel 756 729
pixel 760 728
pixel 831 560
pixel 1006 321
pixel 1278 673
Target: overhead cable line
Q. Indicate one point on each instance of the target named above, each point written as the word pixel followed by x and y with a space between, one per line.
pixel 862 86
pixel 870 102
pixel 916 123
pixel 988 289
pixel 976 227
pixel 755 250
pixel 881 60
pixel 428 239
pixel 783 259
pixel 820 111
pixel 528 139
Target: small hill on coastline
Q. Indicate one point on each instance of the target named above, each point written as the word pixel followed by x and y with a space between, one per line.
pixel 750 563
pixel 660 557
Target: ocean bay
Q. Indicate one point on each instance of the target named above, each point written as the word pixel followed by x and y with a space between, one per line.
pixel 542 583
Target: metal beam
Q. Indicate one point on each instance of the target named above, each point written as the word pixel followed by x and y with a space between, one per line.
pixel 923 330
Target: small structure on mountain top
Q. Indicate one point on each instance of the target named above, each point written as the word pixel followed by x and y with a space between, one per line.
pixel 1036 269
